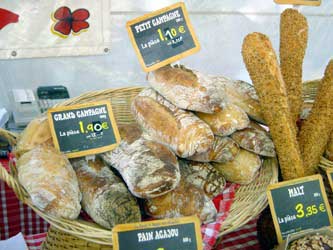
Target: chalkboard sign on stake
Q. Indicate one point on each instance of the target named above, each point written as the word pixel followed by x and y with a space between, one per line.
pixel 329 173
pixel 176 234
pixel 84 129
pixel 162 37
pixel 298 205
pixel 299 2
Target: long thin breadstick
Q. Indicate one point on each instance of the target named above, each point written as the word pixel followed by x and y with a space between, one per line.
pixel 316 130
pixel 293 43
pixel 261 63
pixel 329 148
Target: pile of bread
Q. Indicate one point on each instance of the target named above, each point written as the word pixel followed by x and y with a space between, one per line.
pixel 193 133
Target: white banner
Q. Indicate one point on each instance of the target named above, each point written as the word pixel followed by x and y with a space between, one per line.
pixel 37 28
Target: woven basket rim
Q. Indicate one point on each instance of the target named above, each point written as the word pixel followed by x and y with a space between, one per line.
pixel 249 200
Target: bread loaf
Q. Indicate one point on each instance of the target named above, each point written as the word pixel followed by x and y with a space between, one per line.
pixel 149 168
pixel 186 89
pixel 130 132
pixel 261 62
pixel 203 176
pixel 180 130
pixel 36 133
pixel 104 196
pixel 241 94
pixel 226 121
pixel 255 139
pixel 223 150
pixel 185 200
pixel 243 170
pixel 51 182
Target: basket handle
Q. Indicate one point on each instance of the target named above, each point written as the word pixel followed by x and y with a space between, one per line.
pixel 10 136
pixel 13 183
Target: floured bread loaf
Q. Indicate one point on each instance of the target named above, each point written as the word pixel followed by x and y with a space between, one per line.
pixel 149 168
pixel 226 121
pixel 243 170
pixel 129 132
pixel 50 180
pixel 255 139
pixel 223 150
pixel 180 130
pixel 242 94
pixel 203 176
pixel 187 89
pixel 36 133
pixel 185 200
pixel 104 196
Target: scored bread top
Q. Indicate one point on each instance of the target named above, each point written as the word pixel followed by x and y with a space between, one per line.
pixel 187 89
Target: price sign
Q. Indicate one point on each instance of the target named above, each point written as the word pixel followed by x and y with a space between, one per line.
pixel 162 37
pixel 172 234
pixel 85 129
pixel 329 173
pixel 300 2
pixel 298 205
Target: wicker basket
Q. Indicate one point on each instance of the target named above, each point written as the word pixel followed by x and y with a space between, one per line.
pixel 249 201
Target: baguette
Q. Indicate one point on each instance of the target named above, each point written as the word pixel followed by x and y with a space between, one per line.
pixel 316 129
pixel 104 196
pixel 293 43
pixel 180 130
pixel 261 63
pixel 50 180
pixel 186 89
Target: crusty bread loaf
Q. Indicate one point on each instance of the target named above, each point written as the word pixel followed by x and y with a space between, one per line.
pixel 130 132
pixel 226 121
pixel 187 89
pixel 149 168
pixel 242 94
pixel 180 130
pixel 185 200
pixel 104 196
pixel 243 170
pixel 255 139
pixel 50 180
pixel 223 150
pixel 203 176
pixel 36 133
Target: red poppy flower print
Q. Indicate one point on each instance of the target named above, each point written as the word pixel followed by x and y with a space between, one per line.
pixel 7 17
pixel 67 21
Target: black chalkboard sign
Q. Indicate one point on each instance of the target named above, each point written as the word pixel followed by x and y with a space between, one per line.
pixel 298 205
pixel 162 37
pixel 329 173
pixel 172 234
pixel 85 129
pixel 300 2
